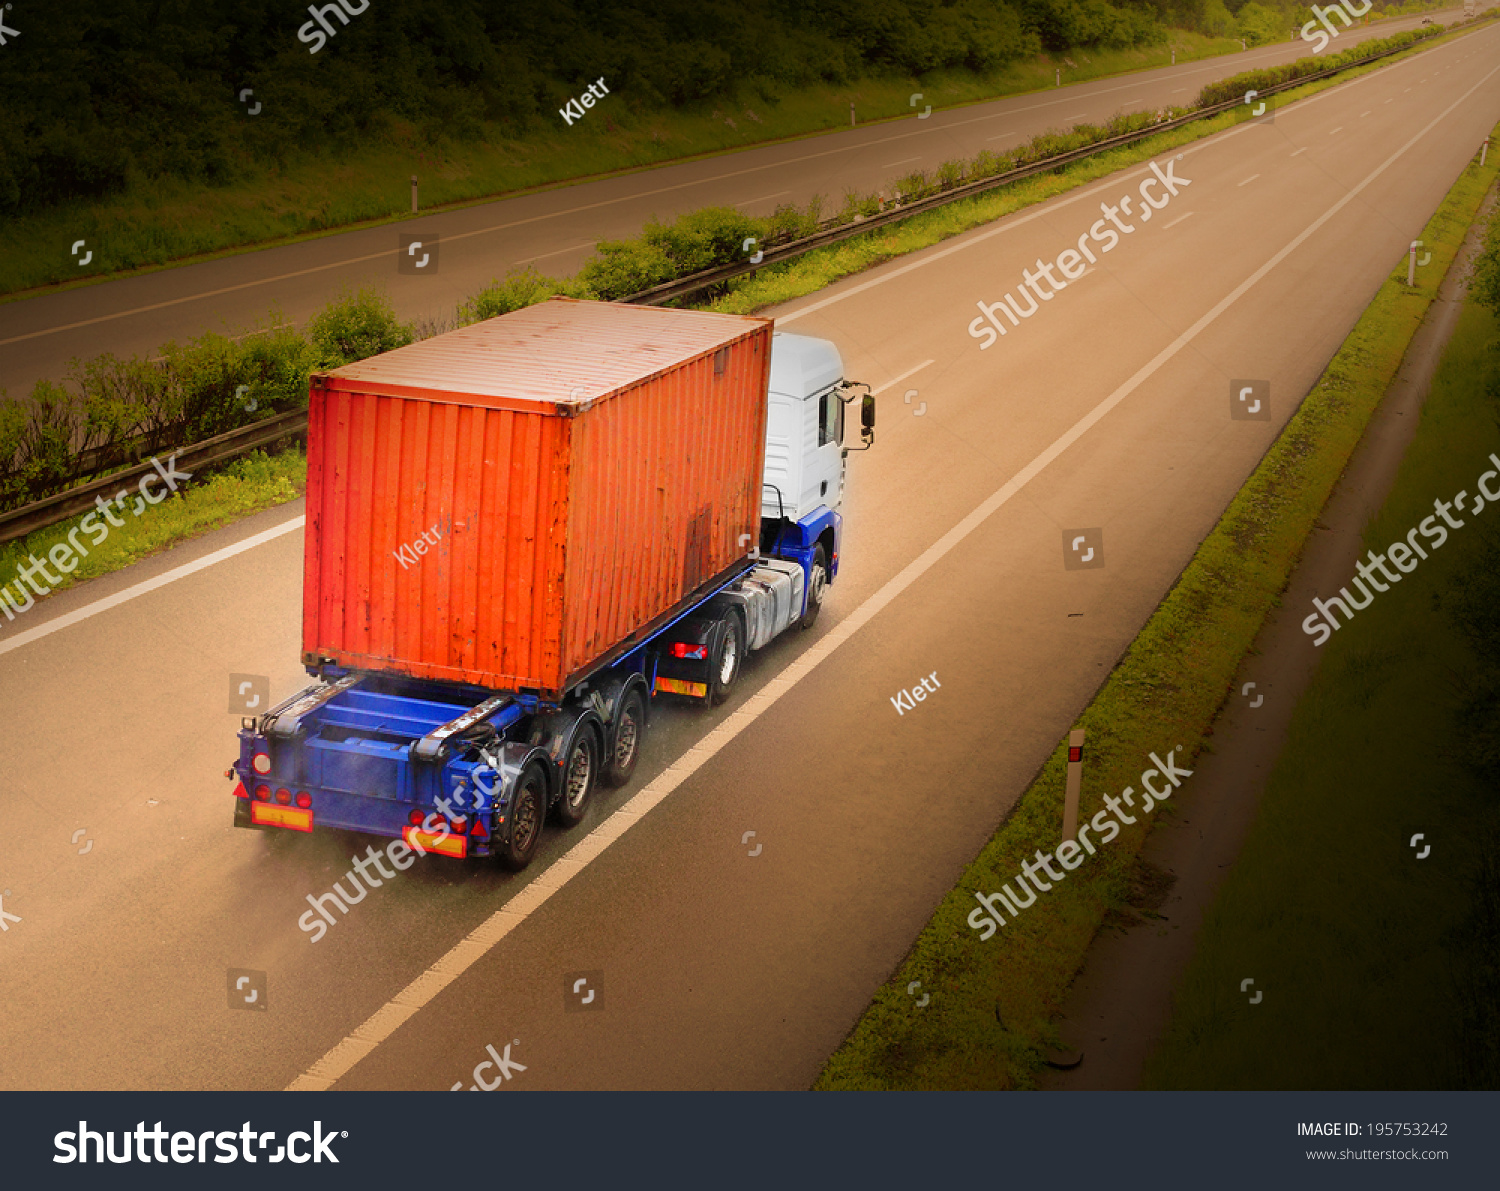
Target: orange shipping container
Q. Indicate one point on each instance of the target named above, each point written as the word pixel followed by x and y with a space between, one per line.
pixel 513 503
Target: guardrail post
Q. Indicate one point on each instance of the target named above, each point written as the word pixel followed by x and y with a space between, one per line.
pixel 1411 264
pixel 1059 76
pixel 1484 152
pixel 851 113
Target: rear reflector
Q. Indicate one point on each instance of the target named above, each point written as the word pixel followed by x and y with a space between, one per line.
pixel 677 686
pixel 478 831
pixel 240 791
pixel 444 845
pixel 281 816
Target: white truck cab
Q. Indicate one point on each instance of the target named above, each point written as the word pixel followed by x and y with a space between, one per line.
pixel 805 428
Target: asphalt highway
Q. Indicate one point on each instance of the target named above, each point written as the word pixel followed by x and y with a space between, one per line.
pixel 1108 409
pixel 556 229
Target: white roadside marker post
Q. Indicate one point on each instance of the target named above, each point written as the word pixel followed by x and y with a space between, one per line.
pixel 1075 783
pixel 1411 265
pixel 414 194
pixel 1484 152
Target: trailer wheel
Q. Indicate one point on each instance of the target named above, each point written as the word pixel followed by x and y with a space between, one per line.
pixel 625 739
pixel 527 811
pixel 731 654
pixel 817 583
pixel 578 778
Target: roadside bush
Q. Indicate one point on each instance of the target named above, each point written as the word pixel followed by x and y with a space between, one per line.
pixel 520 287
pixel 354 326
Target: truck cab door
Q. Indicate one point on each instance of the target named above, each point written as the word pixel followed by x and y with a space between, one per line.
pixel 823 468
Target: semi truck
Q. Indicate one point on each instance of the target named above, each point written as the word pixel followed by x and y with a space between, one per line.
pixel 519 535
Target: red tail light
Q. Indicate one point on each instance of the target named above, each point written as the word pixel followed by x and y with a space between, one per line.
pixel 304 799
pixel 263 793
pixel 681 649
pixel 284 797
pixel 415 818
pixel 458 826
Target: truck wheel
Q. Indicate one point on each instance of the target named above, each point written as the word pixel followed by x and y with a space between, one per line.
pixel 578 779
pixel 817 583
pixel 726 669
pixel 527 810
pixel 629 731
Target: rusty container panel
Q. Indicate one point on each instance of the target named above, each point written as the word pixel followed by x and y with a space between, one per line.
pixel 507 504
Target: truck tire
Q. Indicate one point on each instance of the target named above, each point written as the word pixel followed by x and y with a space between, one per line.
pixel 528 810
pixel 579 775
pixel 727 659
pixel 625 738
pixel 817 583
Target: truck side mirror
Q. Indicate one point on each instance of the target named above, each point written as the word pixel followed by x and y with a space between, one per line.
pixel 867 419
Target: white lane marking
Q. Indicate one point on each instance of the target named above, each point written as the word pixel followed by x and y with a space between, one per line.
pixel 1301 150
pixel 896 380
pixel 149 585
pixel 1178 220
pixel 1362 115
pixel 558 252
pixel 386 1020
pixel 1179 90
pixel 1248 180
pixel 763 198
pixel 1075 115
pixel 1001 136
pixel 903 161
pixel 1337 130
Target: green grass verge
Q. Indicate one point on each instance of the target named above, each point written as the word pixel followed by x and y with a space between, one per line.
pixel 1165 692
pixel 238 489
pixel 163 221
pixel 818 269
pixel 1351 938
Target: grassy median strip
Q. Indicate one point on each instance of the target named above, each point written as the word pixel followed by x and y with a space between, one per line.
pixel 1369 942
pixel 993 1003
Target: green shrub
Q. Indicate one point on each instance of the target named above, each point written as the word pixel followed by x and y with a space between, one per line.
pixel 356 325
pixel 520 287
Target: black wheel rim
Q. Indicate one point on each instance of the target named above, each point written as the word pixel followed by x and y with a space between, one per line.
pixel 580 774
pixel 527 818
pixel 625 738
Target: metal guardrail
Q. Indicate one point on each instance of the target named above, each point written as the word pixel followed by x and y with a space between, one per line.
pixel 39 514
pixel 51 509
